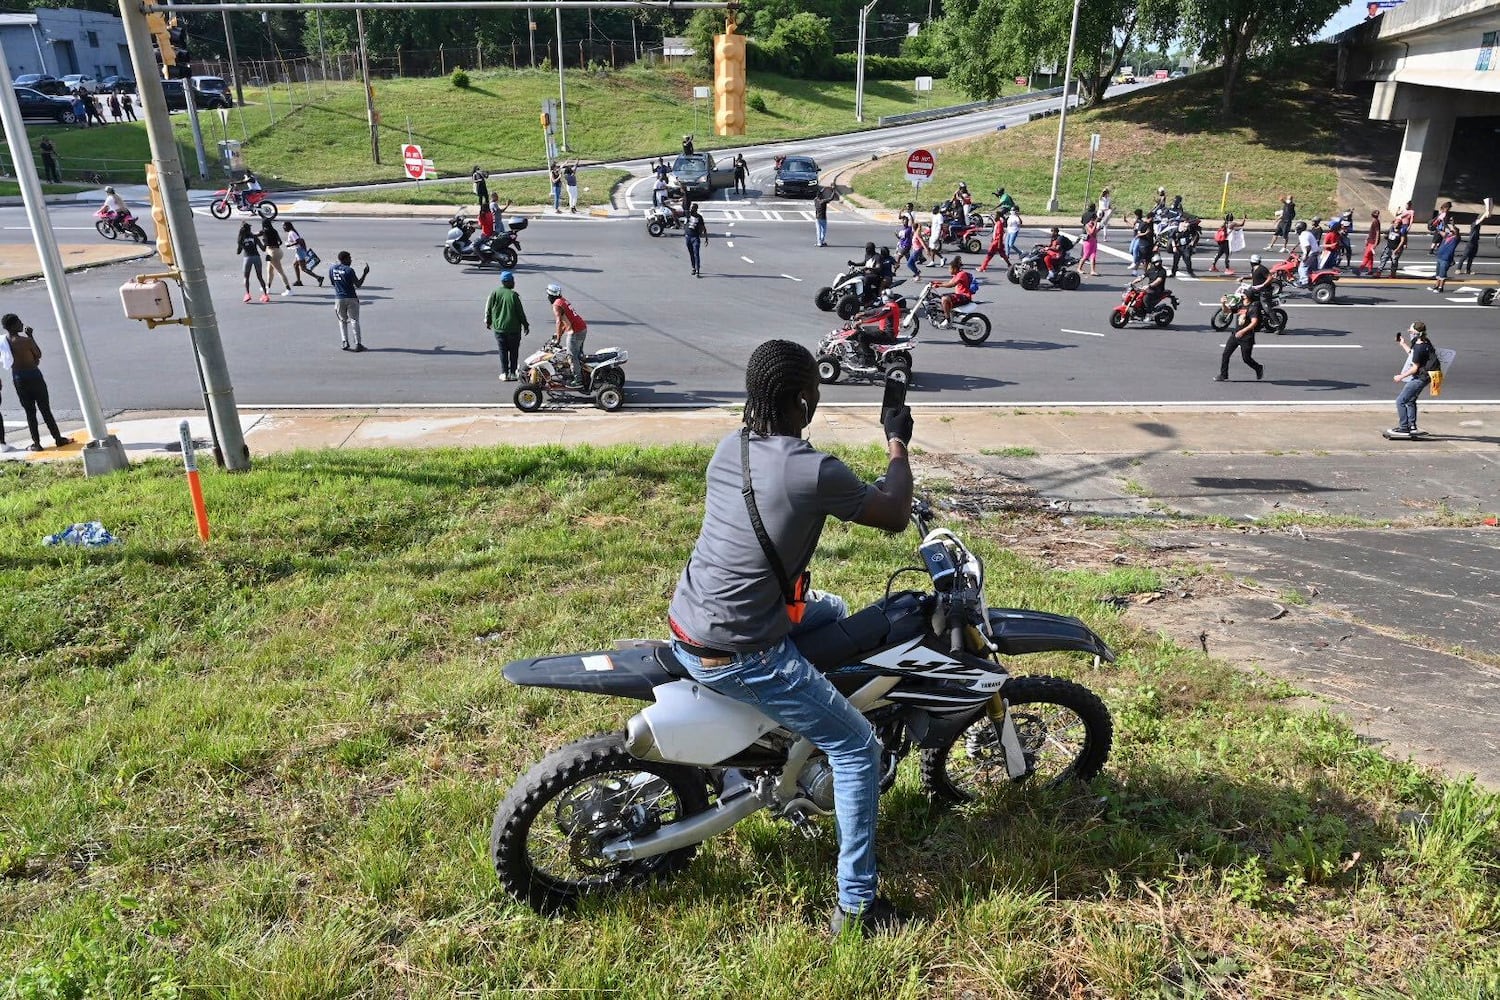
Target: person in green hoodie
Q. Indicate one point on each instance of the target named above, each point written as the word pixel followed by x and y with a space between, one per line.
pixel 505 315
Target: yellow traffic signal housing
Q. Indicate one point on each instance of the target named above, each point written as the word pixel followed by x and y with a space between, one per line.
pixel 729 81
pixel 159 218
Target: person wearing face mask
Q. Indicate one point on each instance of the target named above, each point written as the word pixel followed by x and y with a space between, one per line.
pixel 744 596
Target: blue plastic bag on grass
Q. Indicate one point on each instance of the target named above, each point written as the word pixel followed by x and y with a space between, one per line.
pixel 93 534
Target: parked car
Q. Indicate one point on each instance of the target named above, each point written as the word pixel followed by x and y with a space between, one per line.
pixel 1178 74
pixel 124 84
pixel 213 85
pixel 177 98
pixel 73 81
pixel 797 175
pixel 42 83
pixel 1125 78
pixel 34 104
pixel 698 175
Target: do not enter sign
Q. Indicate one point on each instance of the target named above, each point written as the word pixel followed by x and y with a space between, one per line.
pixel 411 156
pixel 919 166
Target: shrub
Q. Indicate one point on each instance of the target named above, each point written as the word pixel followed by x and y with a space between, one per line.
pixel 459 78
pixel 756 103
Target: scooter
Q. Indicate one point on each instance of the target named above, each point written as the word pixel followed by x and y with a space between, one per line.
pixel 1132 307
pixel 247 203
pixel 840 354
pixel 545 377
pixel 462 246
pixel 112 225
pixel 1322 283
pixel 972 325
pixel 928 669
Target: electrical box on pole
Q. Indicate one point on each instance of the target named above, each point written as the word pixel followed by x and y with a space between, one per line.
pixel 729 80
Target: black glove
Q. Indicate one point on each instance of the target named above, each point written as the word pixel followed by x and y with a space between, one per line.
pixel 898 424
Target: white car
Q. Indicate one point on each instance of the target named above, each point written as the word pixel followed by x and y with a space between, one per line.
pixel 75 80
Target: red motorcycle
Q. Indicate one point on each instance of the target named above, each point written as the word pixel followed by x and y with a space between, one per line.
pixel 1323 282
pixel 1132 308
pixel 113 225
pixel 226 200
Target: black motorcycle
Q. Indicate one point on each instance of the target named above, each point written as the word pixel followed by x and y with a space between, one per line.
pixel 463 246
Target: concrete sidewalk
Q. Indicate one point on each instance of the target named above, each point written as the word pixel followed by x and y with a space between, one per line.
pixel 20 261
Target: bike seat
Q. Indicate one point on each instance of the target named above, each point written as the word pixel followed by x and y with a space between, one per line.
pixel 846 641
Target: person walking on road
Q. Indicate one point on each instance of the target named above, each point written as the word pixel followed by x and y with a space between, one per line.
pixel 1142 242
pixel 1416 374
pixel 1471 247
pixel 1182 250
pixel 1106 212
pixel 505 316
pixel 694 235
pixel 49 161
pixel 997 241
pixel 1372 241
pixel 271 239
pixel 346 286
pixel 1242 339
pixel 741 174
pixel 1013 223
pixel 249 246
pixel 1090 253
pixel 1284 225
pixel 1221 239
pixel 306 258
pixel 570 178
pixel 820 212
pixel 1447 238
pixel 19 352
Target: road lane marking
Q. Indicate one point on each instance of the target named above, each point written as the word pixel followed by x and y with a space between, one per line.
pixel 747 260
pixel 1355 305
pixel 789 276
pixel 1308 347
pixel 1081 333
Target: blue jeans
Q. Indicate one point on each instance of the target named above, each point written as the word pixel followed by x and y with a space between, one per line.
pixel 822 231
pixel 783 685
pixel 1406 404
pixel 557 197
pixel 694 249
pixel 1010 242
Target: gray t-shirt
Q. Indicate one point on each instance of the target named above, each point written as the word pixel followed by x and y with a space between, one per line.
pixel 728 597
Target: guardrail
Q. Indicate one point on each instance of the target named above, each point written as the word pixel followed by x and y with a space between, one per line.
pixel 960 109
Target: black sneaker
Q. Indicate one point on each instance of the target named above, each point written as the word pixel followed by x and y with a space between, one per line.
pixel 1260 373
pixel 360 347
pixel 879 917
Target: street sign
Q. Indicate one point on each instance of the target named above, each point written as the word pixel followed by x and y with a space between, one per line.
pixel 702 93
pixel 919 166
pixel 411 157
pixel 1094 143
pixel 924 83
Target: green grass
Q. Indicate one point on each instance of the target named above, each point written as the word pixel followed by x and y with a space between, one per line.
pixel 265 767
pixel 14 188
pixel 1014 451
pixel 1167 135
pixel 594 186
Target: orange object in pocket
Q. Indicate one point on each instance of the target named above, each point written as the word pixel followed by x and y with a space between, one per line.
pixel 797 606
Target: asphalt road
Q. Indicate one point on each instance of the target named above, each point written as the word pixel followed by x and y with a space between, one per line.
pixel 688 338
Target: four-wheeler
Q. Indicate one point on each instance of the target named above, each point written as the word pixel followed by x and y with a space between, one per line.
pixel 1322 283
pixel 250 203
pixel 972 325
pixel 1132 307
pixel 113 225
pixel 1029 272
pixel 840 353
pixel 848 294
pixel 660 218
pixel 545 377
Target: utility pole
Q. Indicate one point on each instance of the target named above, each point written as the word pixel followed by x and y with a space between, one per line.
pixel 364 70
pixel 197 300
pixel 234 63
pixel 859 69
pixel 1062 117
pixel 322 55
pixel 103 453
pixel 531 36
pixel 562 85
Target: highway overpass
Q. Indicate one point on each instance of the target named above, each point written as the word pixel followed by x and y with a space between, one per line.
pixel 1432 62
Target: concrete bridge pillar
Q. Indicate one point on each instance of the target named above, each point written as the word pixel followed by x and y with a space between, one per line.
pixel 1419 171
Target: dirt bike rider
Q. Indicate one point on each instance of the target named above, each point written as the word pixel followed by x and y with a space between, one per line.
pixel 571 325
pixel 880 325
pixel 1260 281
pixel 114 205
pixel 1156 282
pixel 962 283
pixel 743 598
pixel 241 189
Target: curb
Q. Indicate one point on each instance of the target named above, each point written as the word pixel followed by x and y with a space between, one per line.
pixel 86 266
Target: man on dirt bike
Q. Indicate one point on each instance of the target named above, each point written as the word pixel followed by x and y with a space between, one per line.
pixel 1260 279
pixel 240 190
pixel 114 205
pixel 743 597
pixel 962 283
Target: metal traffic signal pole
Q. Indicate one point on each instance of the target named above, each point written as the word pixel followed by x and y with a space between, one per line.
pixel 198 302
pixel 103 453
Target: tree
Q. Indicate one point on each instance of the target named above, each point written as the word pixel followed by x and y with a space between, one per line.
pixel 805 43
pixel 1234 30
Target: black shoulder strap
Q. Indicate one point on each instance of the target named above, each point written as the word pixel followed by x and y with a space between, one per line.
pixel 757 524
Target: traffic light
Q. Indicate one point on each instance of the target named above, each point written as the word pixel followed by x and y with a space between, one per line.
pixel 171 41
pixel 159 218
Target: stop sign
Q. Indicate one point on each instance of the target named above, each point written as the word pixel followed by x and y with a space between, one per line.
pixel 919 165
pixel 411 156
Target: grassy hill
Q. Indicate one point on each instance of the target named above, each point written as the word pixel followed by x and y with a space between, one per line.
pixel 1169 135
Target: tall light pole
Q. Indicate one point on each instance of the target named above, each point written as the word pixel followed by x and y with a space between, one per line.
pixel 234 63
pixel 859 70
pixel 364 71
pixel 562 85
pixel 103 453
pixel 1062 117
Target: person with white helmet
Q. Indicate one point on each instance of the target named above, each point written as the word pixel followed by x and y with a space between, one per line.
pixel 571 325
pixel 113 203
pixel 1260 278
pixel 505 316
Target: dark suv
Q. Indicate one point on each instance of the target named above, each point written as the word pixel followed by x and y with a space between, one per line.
pixel 797 175
pixel 38 105
pixel 177 99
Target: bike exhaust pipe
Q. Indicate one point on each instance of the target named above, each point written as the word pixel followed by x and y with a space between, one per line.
pixel 693 830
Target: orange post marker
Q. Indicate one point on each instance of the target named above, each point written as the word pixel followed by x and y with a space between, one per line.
pixel 195 488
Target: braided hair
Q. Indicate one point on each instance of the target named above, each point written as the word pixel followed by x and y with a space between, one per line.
pixel 778 370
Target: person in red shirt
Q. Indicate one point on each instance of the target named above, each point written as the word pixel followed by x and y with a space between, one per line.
pixel 997 241
pixel 879 325
pixel 1331 246
pixel 962 283
pixel 572 326
pixel 486 220
pixel 1372 240
pixel 1053 255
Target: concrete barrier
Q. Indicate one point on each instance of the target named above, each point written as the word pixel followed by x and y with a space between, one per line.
pixel 960 109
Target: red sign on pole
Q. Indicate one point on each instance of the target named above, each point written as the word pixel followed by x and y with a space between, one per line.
pixel 919 166
pixel 411 156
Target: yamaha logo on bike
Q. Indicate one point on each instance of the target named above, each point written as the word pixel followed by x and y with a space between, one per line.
pixel 917 658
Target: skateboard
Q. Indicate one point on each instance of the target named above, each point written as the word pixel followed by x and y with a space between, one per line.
pixel 1392 436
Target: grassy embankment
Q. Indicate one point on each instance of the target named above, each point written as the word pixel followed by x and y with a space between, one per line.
pixel 594 186
pixel 266 767
pixel 1166 135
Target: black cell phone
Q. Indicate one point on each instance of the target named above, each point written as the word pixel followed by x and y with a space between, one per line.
pixel 894 398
